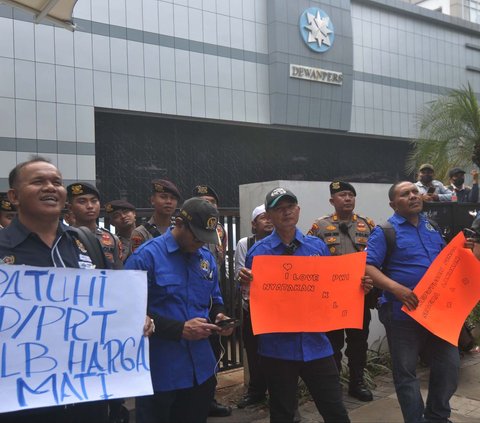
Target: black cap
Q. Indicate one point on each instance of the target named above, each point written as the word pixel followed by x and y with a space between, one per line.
pixel 276 194
pixel 201 190
pixel 6 205
pixel 114 205
pixel 454 171
pixel 338 186
pixel 162 185
pixel 82 188
pixel 202 218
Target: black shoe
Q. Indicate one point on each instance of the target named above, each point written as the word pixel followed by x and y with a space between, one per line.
pixel 360 391
pixel 249 399
pixel 219 410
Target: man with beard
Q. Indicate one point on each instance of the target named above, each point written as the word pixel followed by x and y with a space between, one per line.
pixel 122 217
pixel 164 200
pixel 397 271
pixel 457 185
pixel 430 189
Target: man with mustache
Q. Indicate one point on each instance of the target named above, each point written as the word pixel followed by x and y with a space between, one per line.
pixel 397 271
pixel 430 189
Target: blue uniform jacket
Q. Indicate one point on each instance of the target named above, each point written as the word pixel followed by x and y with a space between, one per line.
pixel 305 346
pixel 416 248
pixel 181 286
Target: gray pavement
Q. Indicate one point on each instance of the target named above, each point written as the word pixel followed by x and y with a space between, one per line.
pixel 384 409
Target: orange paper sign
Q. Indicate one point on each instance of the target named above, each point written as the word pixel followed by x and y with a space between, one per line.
pixel 448 291
pixel 307 294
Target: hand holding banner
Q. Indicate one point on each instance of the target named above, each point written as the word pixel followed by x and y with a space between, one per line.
pixel 307 294
pixel 448 291
pixel 71 335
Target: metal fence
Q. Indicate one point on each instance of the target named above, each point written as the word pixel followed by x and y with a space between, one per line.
pixel 232 345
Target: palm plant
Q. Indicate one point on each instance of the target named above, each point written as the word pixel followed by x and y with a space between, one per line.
pixel 449 133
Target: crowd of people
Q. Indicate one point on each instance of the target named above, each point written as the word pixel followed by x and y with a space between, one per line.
pixel 182 251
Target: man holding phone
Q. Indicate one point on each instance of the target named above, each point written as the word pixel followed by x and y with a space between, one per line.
pixel 431 189
pixel 183 295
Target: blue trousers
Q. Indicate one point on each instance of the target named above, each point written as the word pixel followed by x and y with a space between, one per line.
pixel 406 339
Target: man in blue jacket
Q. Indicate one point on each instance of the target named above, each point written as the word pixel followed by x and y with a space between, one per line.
pixel 286 356
pixel 397 273
pixel 183 292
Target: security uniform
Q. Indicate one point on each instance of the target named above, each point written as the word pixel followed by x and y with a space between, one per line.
pixel 416 247
pixel 181 286
pixel 20 246
pixel 286 356
pixel 112 247
pixel 345 237
pixel 144 232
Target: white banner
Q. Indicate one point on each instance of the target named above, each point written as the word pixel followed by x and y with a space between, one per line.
pixel 71 335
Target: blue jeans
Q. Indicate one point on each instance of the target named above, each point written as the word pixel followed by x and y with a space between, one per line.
pixel 406 339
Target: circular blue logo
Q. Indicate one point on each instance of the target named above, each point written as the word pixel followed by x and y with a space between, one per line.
pixel 316 29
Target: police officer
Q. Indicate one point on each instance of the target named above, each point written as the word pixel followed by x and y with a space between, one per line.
pixel 164 199
pixel 218 250
pixel 122 216
pixel 7 211
pixel 84 203
pixel 38 238
pixel 183 293
pixel 346 232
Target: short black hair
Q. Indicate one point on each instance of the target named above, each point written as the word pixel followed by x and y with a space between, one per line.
pixel 391 191
pixel 13 175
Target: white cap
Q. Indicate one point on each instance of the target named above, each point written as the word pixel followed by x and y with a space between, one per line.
pixel 258 211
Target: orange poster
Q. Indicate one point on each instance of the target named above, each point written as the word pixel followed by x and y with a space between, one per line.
pixel 307 294
pixel 448 291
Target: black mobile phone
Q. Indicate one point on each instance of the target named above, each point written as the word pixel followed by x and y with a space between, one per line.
pixel 228 323
pixel 431 190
